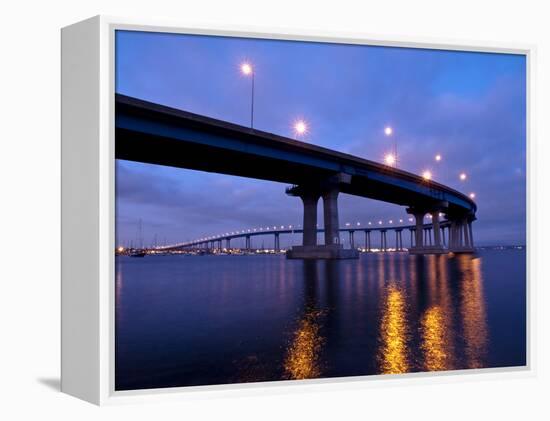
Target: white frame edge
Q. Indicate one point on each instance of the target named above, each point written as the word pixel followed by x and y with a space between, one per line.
pixel 88 195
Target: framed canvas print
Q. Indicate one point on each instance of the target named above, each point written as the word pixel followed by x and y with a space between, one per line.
pixel 245 209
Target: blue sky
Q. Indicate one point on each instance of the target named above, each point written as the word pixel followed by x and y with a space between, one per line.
pixel 468 107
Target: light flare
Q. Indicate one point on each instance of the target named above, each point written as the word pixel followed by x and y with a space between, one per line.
pixel 389 159
pixel 246 69
pixel 300 127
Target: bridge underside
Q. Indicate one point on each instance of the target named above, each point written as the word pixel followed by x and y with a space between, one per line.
pixel 152 149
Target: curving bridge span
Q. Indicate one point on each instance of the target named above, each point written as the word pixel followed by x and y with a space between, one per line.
pixel 152 133
pixel 223 241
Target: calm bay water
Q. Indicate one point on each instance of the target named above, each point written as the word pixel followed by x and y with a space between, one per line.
pixel 200 320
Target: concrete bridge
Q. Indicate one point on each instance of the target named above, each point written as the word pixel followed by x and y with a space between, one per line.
pixel 155 134
pixel 359 238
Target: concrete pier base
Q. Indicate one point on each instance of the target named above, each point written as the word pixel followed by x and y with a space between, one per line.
pixel 462 250
pixel 333 251
pixel 428 250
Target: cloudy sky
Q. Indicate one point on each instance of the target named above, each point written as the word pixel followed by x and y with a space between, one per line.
pixel 468 107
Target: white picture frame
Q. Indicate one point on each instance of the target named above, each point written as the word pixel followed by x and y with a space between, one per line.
pixel 88 212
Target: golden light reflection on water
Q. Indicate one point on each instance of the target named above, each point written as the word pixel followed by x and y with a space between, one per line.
pixel 473 313
pixel 435 340
pixel 393 331
pixel 302 360
pixel 436 321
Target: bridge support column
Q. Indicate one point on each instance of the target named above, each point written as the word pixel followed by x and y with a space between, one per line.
pixel 351 239
pixel 310 218
pixel 461 235
pixel 399 240
pixel 467 242
pixel 330 212
pixel 367 240
pixel 228 243
pixel 332 249
pixel 437 229
pixel 277 246
pixel 419 229
pixel 383 240
pixel 424 242
pixel 247 243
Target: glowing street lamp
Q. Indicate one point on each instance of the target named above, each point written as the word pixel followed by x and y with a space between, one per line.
pixel 300 128
pixel 462 176
pixel 472 195
pixel 438 157
pixel 389 159
pixel 248 70
pixel 388 131
pixel 427 175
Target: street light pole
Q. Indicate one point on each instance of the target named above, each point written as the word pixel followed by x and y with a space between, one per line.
pixel 252 102
pixel 248 70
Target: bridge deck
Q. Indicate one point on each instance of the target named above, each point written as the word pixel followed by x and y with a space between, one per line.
pixel 152 133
